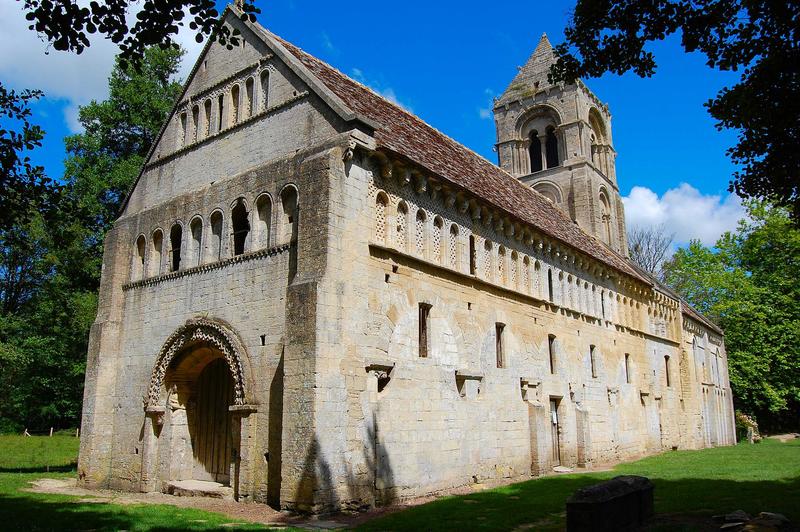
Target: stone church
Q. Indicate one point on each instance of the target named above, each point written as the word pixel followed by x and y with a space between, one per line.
pixel 314 299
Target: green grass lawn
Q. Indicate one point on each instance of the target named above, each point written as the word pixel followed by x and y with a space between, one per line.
pixel 24 459
pixel 753 478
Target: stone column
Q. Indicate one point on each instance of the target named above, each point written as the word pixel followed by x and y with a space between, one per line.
pixel 243 420
pixel 543 147
pixel 153 421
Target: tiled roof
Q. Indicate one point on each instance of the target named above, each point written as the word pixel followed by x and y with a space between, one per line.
pixel 405 134
pixel 695 315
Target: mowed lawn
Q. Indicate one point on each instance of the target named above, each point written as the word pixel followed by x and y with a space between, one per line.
pixel 753 478
pixel 24 459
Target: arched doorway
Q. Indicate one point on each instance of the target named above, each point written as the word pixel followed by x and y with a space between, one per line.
pixel 200 394
pixel 197 409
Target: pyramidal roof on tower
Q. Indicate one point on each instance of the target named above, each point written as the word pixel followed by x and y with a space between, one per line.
pixel 532 77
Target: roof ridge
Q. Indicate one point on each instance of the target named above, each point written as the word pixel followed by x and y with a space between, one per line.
pixel 390 102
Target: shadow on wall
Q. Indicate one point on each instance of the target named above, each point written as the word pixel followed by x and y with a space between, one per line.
pixel 274 444
pixel 369 483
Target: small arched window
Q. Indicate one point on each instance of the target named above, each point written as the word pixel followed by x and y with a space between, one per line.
pixel 452 247
pixel 196 122
pixel 605 217
pixel 420 233
pixel 501 265
pixel 593 361
pixel 666 371
pixel 138 259
pixel 207 118
pixel 400 232
pixel 240 225
pixel 627 368
pixel 215 245
pixel 235 104
pixel 196 251
pixel 221 112
pixel 526 275
pixel 380 218
pixel 249 87
pixel 182 130
pixel 487 259
pixel 155 256
pixel 535 152
pixel 512 269
pixel 473 256
pixel 537 279
pixel 550 285
pixel 436 240
pixel 265 90
pixel 289 205
pixel 264 222
pixel 175 237
pixel 551 353
pixel 551 148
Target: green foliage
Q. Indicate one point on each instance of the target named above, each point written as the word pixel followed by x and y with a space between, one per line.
pixel 757 38
pixel 38 453
pixel 50 263
pixel 21 182
pixel 748 285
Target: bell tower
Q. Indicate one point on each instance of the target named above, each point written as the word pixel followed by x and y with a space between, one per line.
pixel 556 138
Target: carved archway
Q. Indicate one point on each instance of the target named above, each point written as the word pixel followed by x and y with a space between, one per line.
pixel 214 334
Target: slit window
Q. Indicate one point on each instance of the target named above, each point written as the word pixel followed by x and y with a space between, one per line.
pixel 235 104
pixel 551 352
pixel 666 371
pixel 498 344
pixel 424 329
pixel 593 361
pixel 627 368
pixel 550 285
pixel 248 95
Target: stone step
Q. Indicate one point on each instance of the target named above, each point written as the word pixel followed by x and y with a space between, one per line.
pixel 198 488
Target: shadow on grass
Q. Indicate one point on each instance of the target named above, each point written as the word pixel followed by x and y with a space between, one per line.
pixel 38 512
pixel 540 504
pixel 41 469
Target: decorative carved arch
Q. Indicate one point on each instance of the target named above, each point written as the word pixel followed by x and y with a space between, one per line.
pixel 540 110
pixel 210 332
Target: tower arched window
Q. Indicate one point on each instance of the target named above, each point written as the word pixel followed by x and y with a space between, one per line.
pixel 207 118
pixel 420 233
pixel 535 151
pixel 264 90
pixel 605 218
pixel 436 240
pixel 551 147
pixel 400 233
pixel 241 227
pixel 289 204
pixel 380 218
pixel 196 123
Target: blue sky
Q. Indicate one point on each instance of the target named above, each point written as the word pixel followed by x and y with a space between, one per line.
pixel 445 61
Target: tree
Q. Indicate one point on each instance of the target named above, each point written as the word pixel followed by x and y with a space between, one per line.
pixel 50 265
pixel 648 247
pixel 21 181
pixel 748 285
pixel 757 37
pixel 67 24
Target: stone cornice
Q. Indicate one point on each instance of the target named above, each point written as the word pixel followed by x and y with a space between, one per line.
pixel 252 255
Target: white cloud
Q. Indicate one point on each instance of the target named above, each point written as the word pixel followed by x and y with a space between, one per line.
pixel 327 43
pixel 387 92
pixel 486 112
pixel 684 211
pixel 28 62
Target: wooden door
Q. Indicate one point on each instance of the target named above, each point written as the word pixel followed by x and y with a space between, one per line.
pixel 211 442
pixel 554 430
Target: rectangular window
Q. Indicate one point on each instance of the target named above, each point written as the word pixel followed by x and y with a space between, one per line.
pixel 627 368
pixel 424 328
pixel 498 335
pixel 592 361
pixel 551 348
